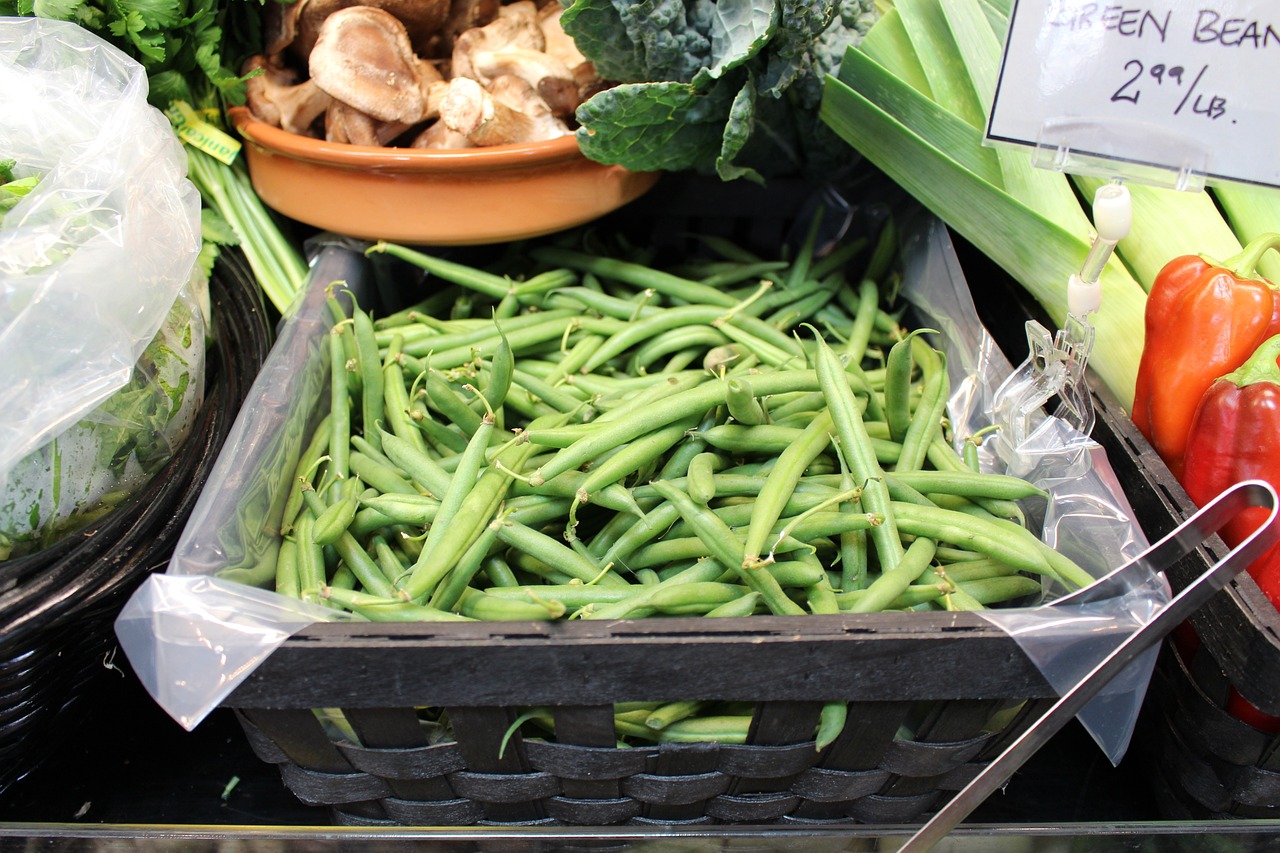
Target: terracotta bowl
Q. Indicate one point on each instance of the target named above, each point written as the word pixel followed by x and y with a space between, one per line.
pixel 464 197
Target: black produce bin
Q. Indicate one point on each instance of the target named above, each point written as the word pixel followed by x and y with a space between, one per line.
pixel 964 685
pixel 58 607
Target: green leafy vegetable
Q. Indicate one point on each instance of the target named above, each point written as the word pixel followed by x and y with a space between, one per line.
pixel 13 190
pixel 188 49
pixel 112 451
pixel 729 88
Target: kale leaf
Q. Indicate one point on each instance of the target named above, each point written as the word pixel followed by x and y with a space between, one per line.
pixel 730 88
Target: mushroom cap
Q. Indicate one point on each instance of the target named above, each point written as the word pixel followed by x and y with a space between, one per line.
pixel 422 19
pixel 363 58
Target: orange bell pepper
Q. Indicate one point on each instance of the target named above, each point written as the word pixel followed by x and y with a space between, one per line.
pixel 1203 319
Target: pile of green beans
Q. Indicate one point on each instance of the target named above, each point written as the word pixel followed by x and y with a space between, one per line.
pixel 598 437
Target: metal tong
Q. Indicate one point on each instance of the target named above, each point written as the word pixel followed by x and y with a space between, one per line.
pixel 1180 542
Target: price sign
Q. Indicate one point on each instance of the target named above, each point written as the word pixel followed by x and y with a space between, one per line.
pixel 1174 85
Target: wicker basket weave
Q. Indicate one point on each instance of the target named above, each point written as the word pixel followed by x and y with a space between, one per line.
pixel 57 613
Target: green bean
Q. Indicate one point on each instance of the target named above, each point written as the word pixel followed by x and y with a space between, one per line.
pixel 665 715
pixel 397 405
pixel 288 581
pixel 474 513
pixel 633 274
pixel 631 457
pixel 831 722
pixel 573 596
pixel 420 344
pixel 775 438
pixel 543 547
pixel 309 459
pixel 969 484
pixel 379 476
pixel 448 592
pixel 926 422
pixel 692 338
pixel 339 407
pixel 695 599
pixel 309 559
pixel 701 477
pixel 855 346
pixel 1064 569
pixel 899 368
pixel 370 365
pixel 421 468
pixel 1013 545
pixel 804 307
pixel 567 485
pixel 702 571
pixel 1001 589
pixel 502 366
pixel 743 405
pixel 539 389
pixel 481 282
pixel 855 445
pixel 893 582
pixel 460 484
pixel 390 564
pixel 450 404
pixel 724 729
pixel 335 520
pixel 744 605
pixel 726 548
pixel 368 521
pixel 499 573
pixel 609 306
pixel 781 484
pixel 685 404
pixel 378 609
pixel 355 557
pixel 481 605
pixel 637 403
pixel 981 569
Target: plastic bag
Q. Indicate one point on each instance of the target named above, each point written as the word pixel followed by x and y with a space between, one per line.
pixel 93 258
pixel 1087 516
pixel 233 530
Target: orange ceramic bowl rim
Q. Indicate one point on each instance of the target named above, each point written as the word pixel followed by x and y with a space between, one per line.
pixel 404 160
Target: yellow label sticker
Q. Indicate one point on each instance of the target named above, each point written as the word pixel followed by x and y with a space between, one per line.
pixel 198 133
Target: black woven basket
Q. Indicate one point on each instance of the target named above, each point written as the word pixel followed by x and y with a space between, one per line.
pixel 59 604
pixel 1208 763
pixel 932 697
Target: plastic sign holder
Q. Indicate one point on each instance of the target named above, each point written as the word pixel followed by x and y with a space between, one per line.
pixel 1055 365
pixel 1169 92
pixel 1157 94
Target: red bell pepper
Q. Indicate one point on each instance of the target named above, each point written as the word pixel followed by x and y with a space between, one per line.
pixel 1235 436
pixel 1203 319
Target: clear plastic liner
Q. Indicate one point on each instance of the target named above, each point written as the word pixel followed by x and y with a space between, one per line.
pixel 170 624
pixel 1086 517
pixel 93 258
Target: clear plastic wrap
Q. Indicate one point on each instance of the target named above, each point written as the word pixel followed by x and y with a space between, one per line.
pixel 232 532
pixel 93 258
pixel 1087 516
